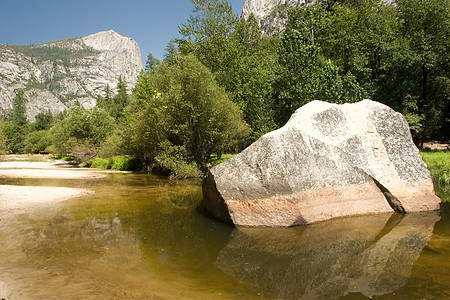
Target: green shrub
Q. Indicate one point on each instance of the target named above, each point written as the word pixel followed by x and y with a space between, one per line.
pixel 37 142
pixel 125 163
pixel 120 163
pixel 112 145
pixel 81 132
pixel 174 159
pixel 101 163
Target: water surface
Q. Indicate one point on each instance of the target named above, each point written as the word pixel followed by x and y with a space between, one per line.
pixel 143 237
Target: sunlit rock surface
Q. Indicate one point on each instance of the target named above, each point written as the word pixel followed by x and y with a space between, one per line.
pixel 328 161
pixel 57 74
pixel 271 14
pixel 372 255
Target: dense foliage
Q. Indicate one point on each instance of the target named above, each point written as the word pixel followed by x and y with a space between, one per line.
pixel 399 54
pixel 336 51
pixel 180 112
pixel 222 84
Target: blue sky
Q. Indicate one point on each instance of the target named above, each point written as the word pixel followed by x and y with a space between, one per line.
pixel 151 23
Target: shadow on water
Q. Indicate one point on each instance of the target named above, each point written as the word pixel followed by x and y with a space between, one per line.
pixel 142 237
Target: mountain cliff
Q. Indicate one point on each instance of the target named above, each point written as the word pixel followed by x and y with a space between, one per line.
pixel 271 14
pixel 55 75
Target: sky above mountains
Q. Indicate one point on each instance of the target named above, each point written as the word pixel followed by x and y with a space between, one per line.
pixel 151 23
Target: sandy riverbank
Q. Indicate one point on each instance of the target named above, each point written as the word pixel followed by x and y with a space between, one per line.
pixel 47 170
pixel 18 199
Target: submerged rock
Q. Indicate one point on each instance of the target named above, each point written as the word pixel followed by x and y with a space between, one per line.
pixel 328 161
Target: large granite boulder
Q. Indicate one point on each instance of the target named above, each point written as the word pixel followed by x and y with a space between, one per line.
pixel 328 161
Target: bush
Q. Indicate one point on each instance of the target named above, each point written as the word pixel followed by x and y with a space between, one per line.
pixel 81 131
pixel 101 163
pixel 68 158
pixel 174 159
pixel 3 139
pixel 112 146
pixel 125 163
pixel 37 142
pixel 120 163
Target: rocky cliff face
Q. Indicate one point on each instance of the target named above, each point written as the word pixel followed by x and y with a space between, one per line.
pixel 57 74
pixel 271 14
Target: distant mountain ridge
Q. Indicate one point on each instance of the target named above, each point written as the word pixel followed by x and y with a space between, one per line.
pixel 57 74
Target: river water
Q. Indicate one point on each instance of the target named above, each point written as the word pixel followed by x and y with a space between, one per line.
pixel 143 237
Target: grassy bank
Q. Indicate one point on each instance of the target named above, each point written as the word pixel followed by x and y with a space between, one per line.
pixel 438 163
pixel 120 163
pixel 129 163
pixel 223 158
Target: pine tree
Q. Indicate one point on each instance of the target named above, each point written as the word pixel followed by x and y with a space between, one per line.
pixel 120 100
pixel 19 123
pixel 151 62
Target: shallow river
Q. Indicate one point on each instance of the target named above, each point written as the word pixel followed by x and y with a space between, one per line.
pixel 143 237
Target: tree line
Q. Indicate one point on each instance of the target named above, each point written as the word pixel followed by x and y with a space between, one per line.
pixel 222 84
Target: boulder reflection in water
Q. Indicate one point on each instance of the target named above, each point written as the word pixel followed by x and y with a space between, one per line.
pixel 372 255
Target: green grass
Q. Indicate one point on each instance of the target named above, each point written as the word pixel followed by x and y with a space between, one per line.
pixel 120 163
pixel 125 163
pixel 215 161
pixel 438 163
pixel 101 163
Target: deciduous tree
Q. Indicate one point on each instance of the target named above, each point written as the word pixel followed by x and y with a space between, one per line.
pixel 183 104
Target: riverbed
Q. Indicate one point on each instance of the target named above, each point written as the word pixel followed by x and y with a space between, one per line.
pixel 139 236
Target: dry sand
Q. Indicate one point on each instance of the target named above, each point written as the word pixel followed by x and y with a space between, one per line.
pixel 48 170
pixel 17 199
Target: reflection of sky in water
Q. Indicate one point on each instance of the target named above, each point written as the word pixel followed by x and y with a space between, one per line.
pixel 141 236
